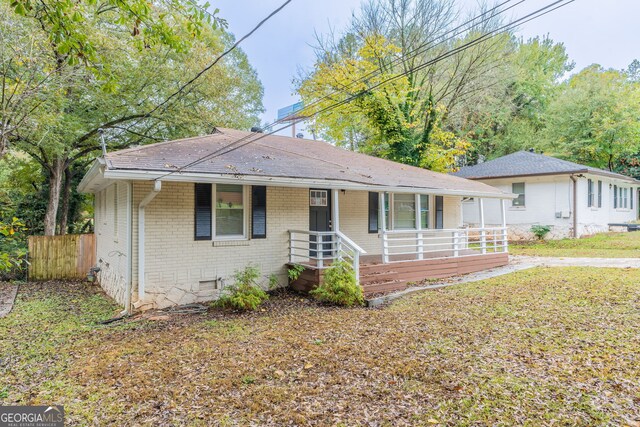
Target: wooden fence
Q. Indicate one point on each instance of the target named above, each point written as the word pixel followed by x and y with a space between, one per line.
pixel 61 257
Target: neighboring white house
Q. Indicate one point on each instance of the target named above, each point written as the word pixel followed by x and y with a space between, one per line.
pixel 575 200
pixel 175 220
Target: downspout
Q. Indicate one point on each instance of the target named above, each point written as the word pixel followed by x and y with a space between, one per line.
pixel 129 279
pixel 575 206
pixel 157 186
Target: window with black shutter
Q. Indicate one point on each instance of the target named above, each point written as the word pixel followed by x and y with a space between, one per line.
pixel 439 212
pixel 258 212
pixel 615 197
pixel 203 211
pixel 374 206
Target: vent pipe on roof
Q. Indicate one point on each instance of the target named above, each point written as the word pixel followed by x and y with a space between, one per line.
pixel 300 135
pixel 102 143
pixel 256 129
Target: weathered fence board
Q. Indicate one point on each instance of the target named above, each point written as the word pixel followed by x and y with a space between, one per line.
pixel 61 257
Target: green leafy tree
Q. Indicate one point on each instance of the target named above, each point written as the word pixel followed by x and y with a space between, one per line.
pixel 405 119
pixel 594 120
pixel 65 104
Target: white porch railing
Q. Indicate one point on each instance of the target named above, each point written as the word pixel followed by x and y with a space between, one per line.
pixel 404 245
pixel 320 248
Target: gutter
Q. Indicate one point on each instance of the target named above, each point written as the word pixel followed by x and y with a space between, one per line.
pixel 575 206
pixel 157 186
pixel 295 182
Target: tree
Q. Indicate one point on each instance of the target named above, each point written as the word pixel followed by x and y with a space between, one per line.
pixel 69 24
pixel 514 116
pixel 61 131
pixel 405 120
pixel 594 120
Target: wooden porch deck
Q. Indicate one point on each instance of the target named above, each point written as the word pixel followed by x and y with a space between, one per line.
pixel 377 277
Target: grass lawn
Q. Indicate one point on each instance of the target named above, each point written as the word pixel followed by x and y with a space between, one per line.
pixel 605 245
pixel 539 347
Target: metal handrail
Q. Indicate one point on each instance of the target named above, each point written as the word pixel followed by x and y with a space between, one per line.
pixel 340 247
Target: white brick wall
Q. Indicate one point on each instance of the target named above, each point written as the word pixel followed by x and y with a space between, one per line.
pixel 181 270
pixel 111 245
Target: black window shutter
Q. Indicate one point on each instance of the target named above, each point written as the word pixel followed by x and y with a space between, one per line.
pixel 615 196
pixel 203 212
pixel 373 212
pixel 439 212
pixel 258 212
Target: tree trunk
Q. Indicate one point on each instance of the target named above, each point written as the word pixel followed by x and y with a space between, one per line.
pixel 66 195
pixel 56 173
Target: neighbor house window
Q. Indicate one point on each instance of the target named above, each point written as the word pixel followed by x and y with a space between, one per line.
pixel 203 212
pixel 590 195
pixel 424 211
pixel 404 211
pixel 518 188
pixel 599 193
pixel 374 210
pixel 258 212
pixel 615 196
pixel 229 214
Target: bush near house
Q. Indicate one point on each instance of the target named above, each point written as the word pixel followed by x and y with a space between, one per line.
pixel 339 286
pixel 540 230
pixel 245 293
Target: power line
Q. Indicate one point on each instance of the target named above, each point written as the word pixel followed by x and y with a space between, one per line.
pixel 520 21
pixel 215 61
pixel 412 54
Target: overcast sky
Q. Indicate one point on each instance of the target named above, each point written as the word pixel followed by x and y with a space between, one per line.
pixel 594 31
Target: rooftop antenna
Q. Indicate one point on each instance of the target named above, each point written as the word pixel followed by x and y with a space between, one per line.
pixel 102 143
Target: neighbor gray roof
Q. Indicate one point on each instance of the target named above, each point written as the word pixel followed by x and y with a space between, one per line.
pixel 526 163
pixel 275 159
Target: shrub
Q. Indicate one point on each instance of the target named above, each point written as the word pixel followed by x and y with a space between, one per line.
pixel 245 293
pixel 540 230
pixel 294 272
pixel 13 249
pixel 339 286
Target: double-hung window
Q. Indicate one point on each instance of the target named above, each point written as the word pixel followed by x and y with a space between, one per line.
pixel 590 194
pixel 404 211
pixel 599 193
pixel 220 211
pixel 518 188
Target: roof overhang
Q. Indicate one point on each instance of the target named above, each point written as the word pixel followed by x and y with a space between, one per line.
pixel 99 177
pixel 568 173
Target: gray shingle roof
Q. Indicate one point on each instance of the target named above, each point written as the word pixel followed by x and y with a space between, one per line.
pixel 525 163
pixel 284 157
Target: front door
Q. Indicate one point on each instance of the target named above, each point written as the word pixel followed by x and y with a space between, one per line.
pixel 319 220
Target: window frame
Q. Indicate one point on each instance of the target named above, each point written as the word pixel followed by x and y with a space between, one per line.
pixel 590 193
pixel 615 197
pixel 523 194
pixel 390 213
pixel 599 193
pixel 214 209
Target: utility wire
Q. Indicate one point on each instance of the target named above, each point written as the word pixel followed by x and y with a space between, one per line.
pixel 412 54
pixel 520 21
pixel 215 61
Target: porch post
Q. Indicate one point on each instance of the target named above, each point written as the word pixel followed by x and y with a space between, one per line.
pixel 335 206
pixel 503 216
pixel 383 226
pixel 419 227
pixel 483 235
